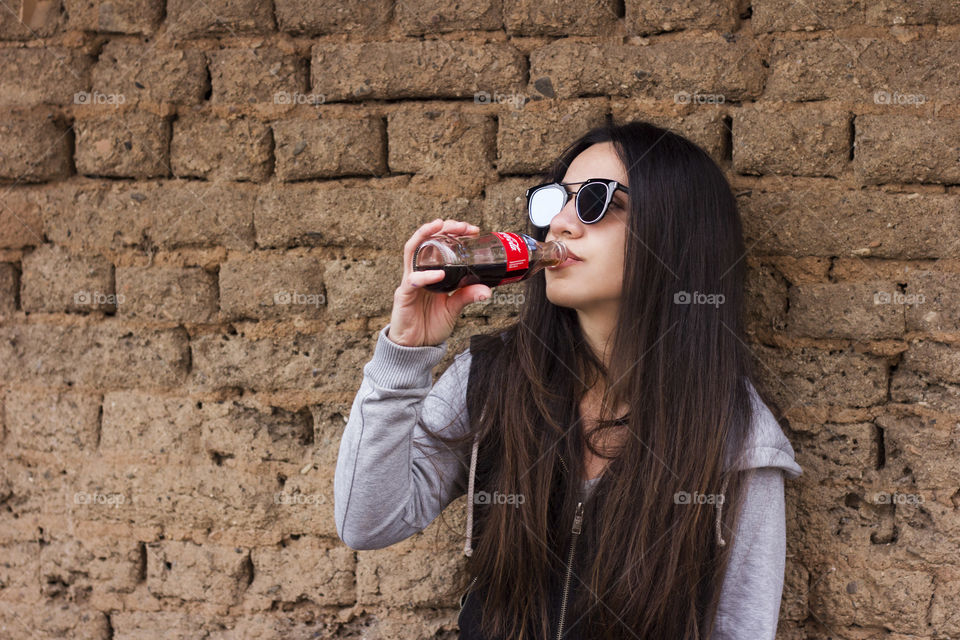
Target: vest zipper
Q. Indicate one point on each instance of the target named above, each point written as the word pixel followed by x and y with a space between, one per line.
pixel 577 523
pixel 463 598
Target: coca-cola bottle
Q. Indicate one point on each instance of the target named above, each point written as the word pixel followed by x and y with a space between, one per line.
pixel 490 258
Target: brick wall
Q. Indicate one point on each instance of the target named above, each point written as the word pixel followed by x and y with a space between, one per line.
pixel 202 211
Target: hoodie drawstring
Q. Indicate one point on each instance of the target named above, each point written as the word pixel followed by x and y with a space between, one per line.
pixel 468 548
pixel 723 490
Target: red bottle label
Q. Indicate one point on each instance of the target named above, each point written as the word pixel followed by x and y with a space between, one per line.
pixel 518 258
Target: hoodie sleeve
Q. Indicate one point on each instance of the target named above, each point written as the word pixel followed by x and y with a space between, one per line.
pixel 749 606
pixel 385 488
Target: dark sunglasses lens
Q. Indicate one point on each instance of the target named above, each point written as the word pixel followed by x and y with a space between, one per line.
pixel 590 200
pixel 545 203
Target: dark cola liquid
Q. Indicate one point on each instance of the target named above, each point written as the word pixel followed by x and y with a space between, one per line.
pixel 457 276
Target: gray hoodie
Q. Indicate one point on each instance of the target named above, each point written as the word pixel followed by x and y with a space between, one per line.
pixel 386 490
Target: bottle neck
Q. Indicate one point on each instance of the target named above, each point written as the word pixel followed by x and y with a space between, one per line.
pixel 551 253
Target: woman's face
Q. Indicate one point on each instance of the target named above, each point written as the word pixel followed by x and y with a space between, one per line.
pixel 594 284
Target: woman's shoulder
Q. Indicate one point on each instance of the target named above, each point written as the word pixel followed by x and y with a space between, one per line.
pixel 766 444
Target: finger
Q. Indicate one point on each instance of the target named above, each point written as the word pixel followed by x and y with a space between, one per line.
pixel 415 281
pixel 459 227
pixel 425 231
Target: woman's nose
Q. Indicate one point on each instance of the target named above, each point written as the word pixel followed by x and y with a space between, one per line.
pixel 566 220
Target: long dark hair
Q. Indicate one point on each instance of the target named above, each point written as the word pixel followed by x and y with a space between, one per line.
pixel 652 567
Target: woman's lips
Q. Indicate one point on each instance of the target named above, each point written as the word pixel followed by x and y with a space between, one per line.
pixel 566 263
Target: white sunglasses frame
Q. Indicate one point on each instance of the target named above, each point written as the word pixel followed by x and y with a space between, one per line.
pixel 611 185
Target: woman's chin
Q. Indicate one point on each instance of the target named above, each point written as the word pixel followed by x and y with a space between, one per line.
pixel 562 295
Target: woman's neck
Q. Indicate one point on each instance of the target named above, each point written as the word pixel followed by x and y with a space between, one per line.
pixel 597 326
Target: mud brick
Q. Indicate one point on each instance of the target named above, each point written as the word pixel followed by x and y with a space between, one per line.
pixel 125 145
pixel 531 137
pixel 428 69
pixel 107 355
pixel 783 15
pixel 142 424
pixel 49 421
pixel 299 361
pixel 309 17
pixel 923 449
pixel 867 596
pixel 442 143
pixel 935 359
pixel 304 568
pixel 646 16
pixel 856 310
pixel 189 571
pixel 92 215
pixel 263 75
pixel 9 289
pixel 329 147
pixel 165 294
pixel 840 222
pixel 188 19
pixel 732 69
pixel 44 20
pixel 439 16
pixel 54 280
pixel 219 149
pixel 905 148
pixel 21 222
pixel 704 126
pixel 144 72
pixel 817 377
pixel 271 285
pixel 309 214
pixel 134 17
pixel 855 69
pixel 809 140
pixel 556 18
pixel 933 301
pixel 35 146
pixel 362 288
pixel 43 75
pixel 838 453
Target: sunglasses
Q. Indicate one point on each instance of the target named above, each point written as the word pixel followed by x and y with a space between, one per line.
pixel 544 201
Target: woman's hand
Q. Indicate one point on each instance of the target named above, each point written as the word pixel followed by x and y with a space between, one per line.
pixel 421 317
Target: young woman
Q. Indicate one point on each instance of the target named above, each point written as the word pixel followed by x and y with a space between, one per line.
pixel 625 479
